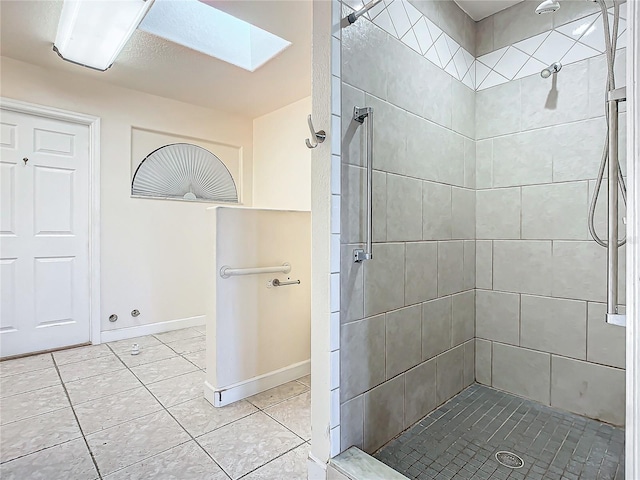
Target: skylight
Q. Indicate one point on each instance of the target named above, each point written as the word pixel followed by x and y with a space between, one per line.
pixel 213 32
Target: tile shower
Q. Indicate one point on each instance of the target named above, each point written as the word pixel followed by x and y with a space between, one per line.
pixel 484 270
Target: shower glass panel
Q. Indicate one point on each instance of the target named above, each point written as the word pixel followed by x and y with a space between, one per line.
pixel 475 342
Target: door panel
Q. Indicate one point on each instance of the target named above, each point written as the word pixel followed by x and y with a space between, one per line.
pixel 44 234
pixel 8 290
pixel 54 291
pixel 53 202
pixel 7 199
pixel 58 143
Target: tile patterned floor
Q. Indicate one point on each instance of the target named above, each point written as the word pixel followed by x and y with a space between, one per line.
pixel 98 412
pixel 459 441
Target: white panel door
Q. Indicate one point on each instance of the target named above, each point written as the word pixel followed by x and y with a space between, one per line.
pixel 44 233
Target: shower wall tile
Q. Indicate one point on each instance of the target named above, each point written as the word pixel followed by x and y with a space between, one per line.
pixel 383 413
pixel 556 212
pixel 576 149
pixel 469 267
pixel 450 18
pixel 384 279
pixel 470 163
pixel 362 356
pixel 519 159
pixel 498 316
pixel 436 327
pixel 463 308
pixel 606 344
pixel 498 110
pixel 379 210
pixel 518 22
pixel 484 264
pixel 484 164
pixel 498 213
pixel 352 422
pixel 351 285
pixel 554 325
pixel 565 99
pixel 450 267
pixel 522 266
pixel 429 99
pixel 469 373
pixel 365 58
pixel 464 109
pixel 403 342
pixel 483 361
pixel 436 211
pixel 579 271
pixel 588 389
pixel 523 372
pixel 404 206
pixel 420 392
pixel 571 11
pixel 421 272
pixel 389 140
pixel 449 373
pixel 463 213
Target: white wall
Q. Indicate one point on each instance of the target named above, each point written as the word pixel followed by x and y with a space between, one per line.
pixel 281 160
pixel 257 330
pixel 151 250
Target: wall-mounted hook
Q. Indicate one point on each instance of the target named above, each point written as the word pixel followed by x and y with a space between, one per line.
pixel 317 137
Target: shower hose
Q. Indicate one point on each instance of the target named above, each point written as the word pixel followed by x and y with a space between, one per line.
pixel 610 45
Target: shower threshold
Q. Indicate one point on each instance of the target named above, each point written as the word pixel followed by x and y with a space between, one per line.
pixel 465 437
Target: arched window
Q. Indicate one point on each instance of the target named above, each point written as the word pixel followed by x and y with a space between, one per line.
pixel 184 171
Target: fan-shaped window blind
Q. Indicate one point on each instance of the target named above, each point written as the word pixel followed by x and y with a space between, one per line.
pixel 184 171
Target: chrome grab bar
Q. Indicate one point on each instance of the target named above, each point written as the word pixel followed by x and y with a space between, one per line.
pixel 277 283
pixel 226 271
pixel 359 115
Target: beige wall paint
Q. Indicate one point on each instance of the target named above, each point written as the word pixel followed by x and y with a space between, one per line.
pixel 257 330
pixel 281 160
pixel 151 250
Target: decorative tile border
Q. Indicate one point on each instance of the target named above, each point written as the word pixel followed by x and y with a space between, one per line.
pixel 569 43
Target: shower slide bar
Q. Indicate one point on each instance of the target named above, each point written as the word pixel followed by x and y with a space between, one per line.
pixel 613 317
pixel 226 271
pixel 359 115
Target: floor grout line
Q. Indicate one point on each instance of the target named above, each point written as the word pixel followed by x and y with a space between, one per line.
pixel 110 350
pixel 181 426
pixel 73 410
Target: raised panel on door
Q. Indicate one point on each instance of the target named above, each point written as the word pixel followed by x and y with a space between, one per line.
pixel 8 135
pixel 57 143
pixel 8 291
pixel 54 291
pixel 53 201
pixel 7 199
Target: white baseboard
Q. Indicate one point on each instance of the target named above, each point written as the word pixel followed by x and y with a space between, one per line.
pixel 316 469
pixel 219 397
pixel 151 328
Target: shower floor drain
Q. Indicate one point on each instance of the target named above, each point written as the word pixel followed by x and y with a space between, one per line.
pixel 509 459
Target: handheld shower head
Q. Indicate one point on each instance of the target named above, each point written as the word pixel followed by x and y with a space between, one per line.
pixel 547 6
pixel 551 69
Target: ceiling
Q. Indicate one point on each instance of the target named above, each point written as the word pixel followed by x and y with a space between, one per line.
pixel 479 9
pixel 157 66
